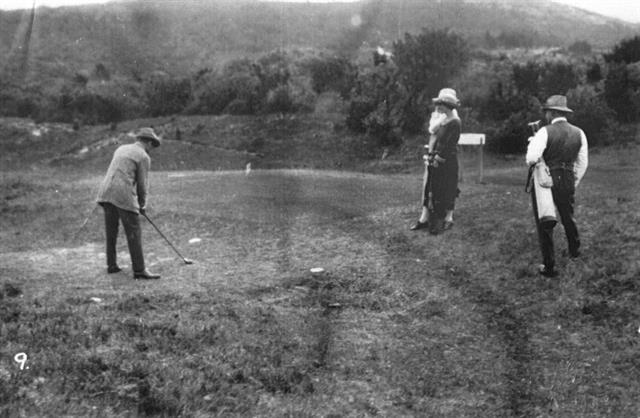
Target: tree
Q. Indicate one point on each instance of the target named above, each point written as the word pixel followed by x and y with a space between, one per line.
pixel 580 48
pixel 627 51
pixel 331 73
pixel 622 83
pixel 591 114
pixel 426 63
pixel 621 89
pixel 594 73
pixel 166 95
pixel 544 79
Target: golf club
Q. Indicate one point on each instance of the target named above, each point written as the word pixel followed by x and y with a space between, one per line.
pixel 84 223
pixel 186 260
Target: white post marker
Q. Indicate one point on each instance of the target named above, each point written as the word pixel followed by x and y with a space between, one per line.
pixel 477 140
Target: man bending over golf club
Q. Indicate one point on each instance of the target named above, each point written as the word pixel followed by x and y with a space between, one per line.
pixel 123 196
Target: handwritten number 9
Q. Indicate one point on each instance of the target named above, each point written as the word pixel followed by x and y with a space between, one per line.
pixel 22 359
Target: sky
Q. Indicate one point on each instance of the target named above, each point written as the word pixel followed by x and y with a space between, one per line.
pixel 628 10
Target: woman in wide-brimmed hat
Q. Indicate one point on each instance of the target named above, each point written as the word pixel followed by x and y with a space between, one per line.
pixel 441 175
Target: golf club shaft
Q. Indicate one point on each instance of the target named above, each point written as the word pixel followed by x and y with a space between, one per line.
pixel 84 223
pixel 165 238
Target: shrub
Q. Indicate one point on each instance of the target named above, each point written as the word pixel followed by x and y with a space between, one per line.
pixel 622 83
pixel 211 94
pixel 580 48
pixel 165 95
pixel 544 79
pixel 509 136
pixel 592 115
pixel 330 103
pixel 279 100
pixel 331 74
pixel 557 78
pixel 370 109
pixel 273 71
pixel 238 107
pixel 358 111
pixel 96 103
pixel 594 73
pixel 621 91
pixel 627 51
pixel 426 63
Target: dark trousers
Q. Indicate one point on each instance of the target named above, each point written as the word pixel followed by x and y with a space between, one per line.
pixel 131 223
pixel 563 192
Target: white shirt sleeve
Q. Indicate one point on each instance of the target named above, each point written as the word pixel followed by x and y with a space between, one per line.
pixel 580 166
pixel 537 144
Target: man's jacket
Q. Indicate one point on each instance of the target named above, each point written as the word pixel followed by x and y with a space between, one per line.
pixel 126 182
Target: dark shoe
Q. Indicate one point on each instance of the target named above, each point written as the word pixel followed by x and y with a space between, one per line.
pixel 113 269
pixel 571 254
pixel 419 225
pixel 543 270
pixel 145 275
pixel 447 225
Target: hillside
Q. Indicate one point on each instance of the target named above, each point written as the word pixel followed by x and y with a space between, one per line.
pixel 202 143
pixel 132 38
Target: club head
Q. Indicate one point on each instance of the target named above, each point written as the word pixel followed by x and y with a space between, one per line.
pixel 187 261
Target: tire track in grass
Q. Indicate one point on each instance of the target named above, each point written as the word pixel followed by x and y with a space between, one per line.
pixel 500 306
pixel 500 295
pixel 396 252
pixel 522 398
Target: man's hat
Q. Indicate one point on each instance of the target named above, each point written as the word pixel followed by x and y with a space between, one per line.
pixel 558 103
pixel 149 135
pixel 447 97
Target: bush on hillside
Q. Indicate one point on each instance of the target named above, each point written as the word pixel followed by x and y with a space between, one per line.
pixel 622 82
pixel 331 74
pixel 358 111
pixel 330 103
pixel 594 73
pixel 622 91
pixel 286 84
pixel 273 70
pixel 626 51
pixel 371 107
pixel 426 63
pixel 516 39
pixel 235 90
pixel 99 102
pixel 393 93
pixel 543 79
pixel 165 95
pixel 580 48
pixel 592 115
pixel 510 135
pixel 269 84
pixel 20 102
pixel 245 86
pixel 279 100
pixel 210 94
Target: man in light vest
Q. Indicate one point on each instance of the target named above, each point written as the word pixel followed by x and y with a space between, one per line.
pixel 563 147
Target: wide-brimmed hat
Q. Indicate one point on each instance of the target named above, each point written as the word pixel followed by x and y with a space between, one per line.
pixel 150 135
pixel 447 97
pixel 557 102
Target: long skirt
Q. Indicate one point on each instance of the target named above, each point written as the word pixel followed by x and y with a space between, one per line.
pixel 441 189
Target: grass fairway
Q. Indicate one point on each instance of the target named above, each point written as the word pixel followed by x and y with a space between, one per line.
pixel 400 324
